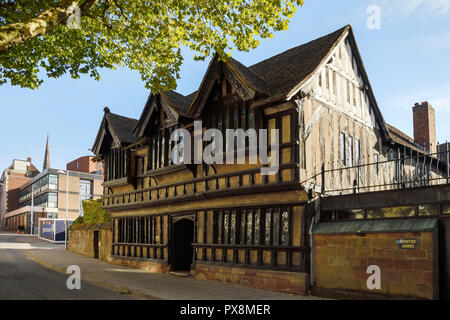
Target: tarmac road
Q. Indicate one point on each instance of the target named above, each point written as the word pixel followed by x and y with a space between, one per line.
pixel 22 278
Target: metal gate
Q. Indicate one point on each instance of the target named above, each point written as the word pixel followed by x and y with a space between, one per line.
pixel 53 230
pixel 181 247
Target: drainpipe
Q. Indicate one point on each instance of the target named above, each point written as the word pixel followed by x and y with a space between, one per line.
pixel 311 254
pixel 316 203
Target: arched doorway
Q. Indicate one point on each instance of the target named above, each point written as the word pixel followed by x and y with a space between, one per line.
pixel 181 247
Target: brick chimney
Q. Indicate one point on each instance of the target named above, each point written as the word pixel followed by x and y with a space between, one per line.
pixel 424 126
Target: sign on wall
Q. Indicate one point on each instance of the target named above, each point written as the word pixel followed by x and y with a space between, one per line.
pixel 408 243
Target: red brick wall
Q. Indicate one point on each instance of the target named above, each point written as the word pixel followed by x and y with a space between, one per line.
pixel 289 282
pixel 85 164
pixel 15 181
pixel 341 261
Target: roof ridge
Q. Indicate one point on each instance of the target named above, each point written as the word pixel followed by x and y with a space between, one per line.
pixel 399 132
pixel 341 30
pixel 253 79
pixel 118 115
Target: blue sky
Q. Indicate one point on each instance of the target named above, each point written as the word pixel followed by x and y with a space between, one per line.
pixel 407 61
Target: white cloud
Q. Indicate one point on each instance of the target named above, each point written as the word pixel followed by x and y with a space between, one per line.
pixel 407 8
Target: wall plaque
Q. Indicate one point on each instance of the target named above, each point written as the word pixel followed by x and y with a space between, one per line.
pixel 408 243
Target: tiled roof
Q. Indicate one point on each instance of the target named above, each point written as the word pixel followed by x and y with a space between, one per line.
pixel 403 139
pixel 177 101
pixel 279 74
pixel 286 70
pixel 249 76
pixel 121 126
pixel 192 95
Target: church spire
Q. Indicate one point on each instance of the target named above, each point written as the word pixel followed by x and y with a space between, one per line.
pixel 46 156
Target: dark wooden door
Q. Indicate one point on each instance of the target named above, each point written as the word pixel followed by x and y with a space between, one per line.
pixel 96 236
pixel 181 248
pixel 444 258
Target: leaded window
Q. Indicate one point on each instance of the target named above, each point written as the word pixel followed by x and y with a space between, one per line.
pixel 265 226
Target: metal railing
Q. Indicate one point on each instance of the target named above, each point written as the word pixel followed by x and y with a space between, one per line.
pixel 404 171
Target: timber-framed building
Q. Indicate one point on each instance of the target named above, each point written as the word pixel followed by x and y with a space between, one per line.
pixel 228 222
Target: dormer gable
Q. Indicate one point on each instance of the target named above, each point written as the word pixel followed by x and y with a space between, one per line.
pixel 162 110
pixel 114 131
pixel 247 84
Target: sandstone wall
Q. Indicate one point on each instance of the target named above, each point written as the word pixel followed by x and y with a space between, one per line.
pixel 341 261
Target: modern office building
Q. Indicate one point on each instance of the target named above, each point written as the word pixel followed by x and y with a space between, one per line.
pixel 45 196
pixel 47 193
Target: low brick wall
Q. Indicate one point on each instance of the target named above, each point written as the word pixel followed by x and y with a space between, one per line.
pixel 142 264
pixel 289 282
pixel 341 261
pixel 81 240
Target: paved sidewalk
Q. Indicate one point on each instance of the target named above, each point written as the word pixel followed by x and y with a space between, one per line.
pixel 149 285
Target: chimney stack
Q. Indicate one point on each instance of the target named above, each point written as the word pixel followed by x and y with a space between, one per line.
pixel 424 126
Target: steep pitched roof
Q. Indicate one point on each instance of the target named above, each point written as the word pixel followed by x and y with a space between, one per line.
pixel 121 126
pixel 278 75
pixel 177 101
pixel 249 77
pixel 138 127
pixel 286 71
pixel 174 100
pixel 118 126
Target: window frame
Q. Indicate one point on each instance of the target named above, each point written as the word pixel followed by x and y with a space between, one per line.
pixel 342 149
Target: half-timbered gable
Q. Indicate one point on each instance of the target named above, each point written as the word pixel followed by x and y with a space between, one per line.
pixel 110 145
pixel 160 118
pixel 341 125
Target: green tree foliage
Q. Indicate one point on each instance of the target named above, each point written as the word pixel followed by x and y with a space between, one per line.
pixel 142 35
pixel 93 213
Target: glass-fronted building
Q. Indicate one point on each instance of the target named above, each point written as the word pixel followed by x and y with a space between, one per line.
pixel 48 192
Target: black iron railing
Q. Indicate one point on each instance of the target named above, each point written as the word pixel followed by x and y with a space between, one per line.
pixel 404 171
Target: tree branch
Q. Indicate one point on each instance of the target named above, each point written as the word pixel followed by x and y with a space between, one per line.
pixel 14 34
pixel 121 10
